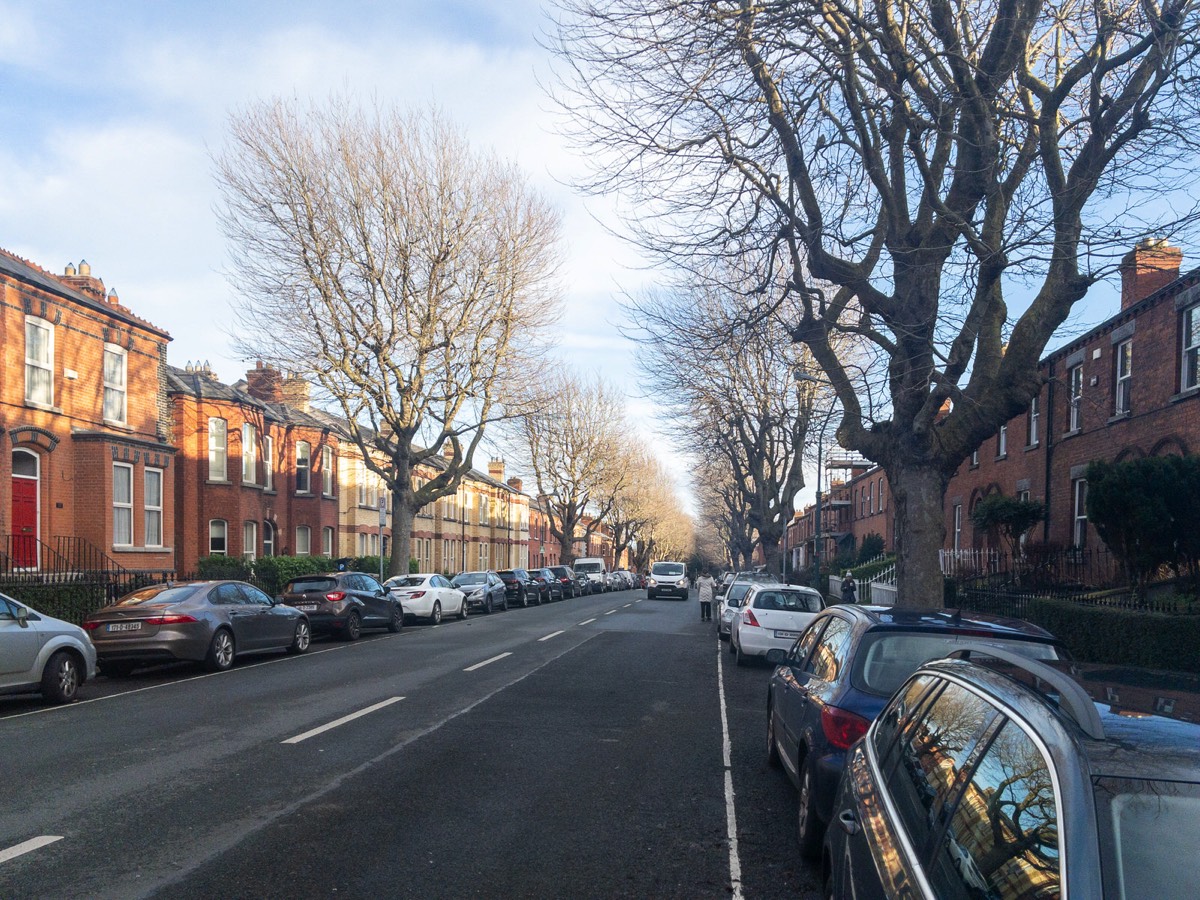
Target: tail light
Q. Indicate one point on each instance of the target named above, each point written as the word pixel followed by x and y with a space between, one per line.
pixel 91 626
pixel 170 620
pixel 415 594
pixel 335 596
pixel 842 728
pixel 748 618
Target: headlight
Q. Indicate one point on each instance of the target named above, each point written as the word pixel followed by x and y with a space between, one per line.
pixel 681 583
pixel 651 582
pixel 476 595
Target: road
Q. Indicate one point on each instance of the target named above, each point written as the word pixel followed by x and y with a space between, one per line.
pixel 569 750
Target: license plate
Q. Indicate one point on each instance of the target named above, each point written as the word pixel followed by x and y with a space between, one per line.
pixel 125 626
pixel 787 634
pixel 307 607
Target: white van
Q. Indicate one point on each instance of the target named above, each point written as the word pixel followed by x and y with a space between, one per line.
pixel 594 569
pixel 667 579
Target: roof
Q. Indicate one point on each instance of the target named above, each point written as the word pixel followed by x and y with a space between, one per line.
pixel 951 621
pixel 201 383
pixel 23 270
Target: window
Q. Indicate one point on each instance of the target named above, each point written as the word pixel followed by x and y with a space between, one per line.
pixel 482 502
pixel 975 458
pixel 327 471
pixel 153 503
pixel 881 494
pixel 217 537
pixel 1034 417
pixel 957 526
pixel 1075 392
pixel 1124 359
pixel 249 540
pixel 249 453
pixel 268 465
pixel 1079 493
pixel 303 540
pixel 828 660
pixel 362 544
pixel 39 361
pixel 871 498
pixel 303 475
pixel 268 548
pixel 1002 442
pixel 1024 497
pixel 1190 375
pixel 360 479
pixel 122 504
pixel 115 361
pixel 218 446
pixel 327 541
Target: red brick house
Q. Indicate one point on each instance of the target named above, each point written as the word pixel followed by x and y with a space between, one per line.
pixel 257 473
pixel 89 465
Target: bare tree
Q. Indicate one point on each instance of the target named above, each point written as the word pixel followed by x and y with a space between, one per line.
pixel 572 449
pixel 633 500
pixel 944 178
pixel 381 258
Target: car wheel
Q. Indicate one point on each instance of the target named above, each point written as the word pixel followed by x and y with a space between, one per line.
pixel 302 638
pixel 60 678
pixel 115 669
pixel 808 824
pixel 505 606
pixel 523 599
pixel 772 750
pixel 396 622
pixel 220 652
pixel 732 648
pixel 353 628
pixel 488 607
pixel 742 658
pixel 462 610
pixel 436 617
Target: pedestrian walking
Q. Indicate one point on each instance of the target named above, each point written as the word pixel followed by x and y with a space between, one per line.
pixel 706 588
pixel 849 590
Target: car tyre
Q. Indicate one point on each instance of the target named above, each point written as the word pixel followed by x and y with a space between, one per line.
pixel 302 638
pixel 436 616
pixel 732 648
pixel 60 678
pixel 505 606
pixel 396 620
pixel 221 651
pixel 772 750
pixel 808 824
pixel 742 658
pixel 522 599
pixel 462 610
pixel 488 606
pixel 353 628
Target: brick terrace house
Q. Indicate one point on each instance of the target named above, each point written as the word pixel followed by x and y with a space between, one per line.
pixel 89 469
pixel 543 548
pixel 1099 400
pixel 257 472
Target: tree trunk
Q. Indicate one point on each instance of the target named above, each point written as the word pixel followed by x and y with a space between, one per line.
pixel 918 493
pixel 402 523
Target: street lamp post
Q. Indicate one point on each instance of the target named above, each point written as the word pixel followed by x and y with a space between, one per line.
pixel 817 517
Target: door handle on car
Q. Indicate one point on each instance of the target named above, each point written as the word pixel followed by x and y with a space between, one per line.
pixel 848 822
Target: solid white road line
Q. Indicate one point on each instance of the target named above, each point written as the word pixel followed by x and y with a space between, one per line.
pixel 552 634
pixel 342 721
pixel 587 621
pixel 735 863
pixel 486 662
pixel 27 846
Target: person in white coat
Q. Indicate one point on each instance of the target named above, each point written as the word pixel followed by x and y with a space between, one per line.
pixel 706 588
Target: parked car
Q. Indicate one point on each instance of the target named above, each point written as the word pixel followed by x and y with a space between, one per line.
pixel 427 595
pixel 667 579
pixel 595 571
pixel 773 615
pixel 832 683
pixel 583 585
pixel 1012 777
pixel 519 589
pixel 484 590
pixel 627 580
pixel 205 621
pixel 39 653
pixel 723 585
pixel 566 579
pixel 344 603
pixel 729 606
pixel 548 583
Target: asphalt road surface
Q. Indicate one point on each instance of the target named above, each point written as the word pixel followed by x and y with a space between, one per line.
pixel 572 750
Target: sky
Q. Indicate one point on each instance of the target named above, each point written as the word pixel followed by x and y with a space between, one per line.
pixel 115 109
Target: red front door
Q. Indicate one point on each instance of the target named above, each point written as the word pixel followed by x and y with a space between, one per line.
pixel 24 522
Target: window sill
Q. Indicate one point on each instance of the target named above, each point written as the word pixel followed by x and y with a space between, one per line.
pixel 44 407
pixel 1119 417
pixel 1071 433
pixel 128 548
pixel 1186 394
pixel 1000 456
pixel 303 494
pixel 218 481
pixel 1034 446
pixel 119 426
pixel 328 496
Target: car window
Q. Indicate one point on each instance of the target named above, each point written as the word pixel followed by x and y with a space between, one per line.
pixel 1146 828
pixel 828 659
pixel 667 570
pixel 401 581
pixel 471 578
pixel 799 601
pixel 737 592
pixel 156 594
pixel 1002 840
pixel 369 584
pixel 896 716
pixel 254 596
pixel 766 600
pixel 304 585
pixel 225 595
pixel 805 642
pixel 7 612
pixel 930 757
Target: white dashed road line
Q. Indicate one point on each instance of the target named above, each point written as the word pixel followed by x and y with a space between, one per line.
pixel 587 621
pixel 342 721
pixel 627 605
pixel 486 662
pixel 610 612
pixel 28 846
pixel 547 637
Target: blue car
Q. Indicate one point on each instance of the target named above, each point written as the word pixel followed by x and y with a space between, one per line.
pixel 836 678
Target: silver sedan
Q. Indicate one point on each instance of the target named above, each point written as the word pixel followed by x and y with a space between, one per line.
pixel 41 653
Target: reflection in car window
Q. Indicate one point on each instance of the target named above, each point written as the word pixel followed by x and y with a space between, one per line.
pixel 799 601
pixel 828 660
pixel 1003 838
pixel 406 581
pixel 6 611
pixel 254 595
pixel 369 584
pixel 806 641
pixel 157 594
pixel 1147 831
pixel 225 595
pixel 894 715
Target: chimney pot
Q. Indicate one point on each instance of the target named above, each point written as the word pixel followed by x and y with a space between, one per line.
pixel 70 269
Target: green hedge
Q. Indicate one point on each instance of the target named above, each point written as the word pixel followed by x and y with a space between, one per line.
pixel 1121 636
pixel 70 602
pixel 218 567
pixel 273 572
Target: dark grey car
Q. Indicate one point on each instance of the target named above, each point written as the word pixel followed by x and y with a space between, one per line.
pixel 484 590
pixel 206 621
pixel 344 603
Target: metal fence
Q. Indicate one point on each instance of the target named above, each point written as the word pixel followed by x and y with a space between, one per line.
pixel 1045 570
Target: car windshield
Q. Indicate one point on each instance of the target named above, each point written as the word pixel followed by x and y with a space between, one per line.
pixel 587 568
pixel 667 570
pixel 737 593
pixel 507 573
pixel 471 578
pixel 885 658
pixel 788 601
pixel 1148 830
pixel 156 595
pixel 405 581
pixel 304 585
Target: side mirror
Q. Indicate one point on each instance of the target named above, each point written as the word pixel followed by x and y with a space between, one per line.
pixel 22 616
pixel 776 657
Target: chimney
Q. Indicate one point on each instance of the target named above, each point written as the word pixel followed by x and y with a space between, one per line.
pixel 264 383
pixel 1150 265
pixel 447 450
pixel 496 469
pixel 84 281
pixel 295 392
pixel 515 484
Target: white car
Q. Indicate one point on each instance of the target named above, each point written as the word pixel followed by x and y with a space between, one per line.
pixel 772 616
pixel 427 595
pixel 40 653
